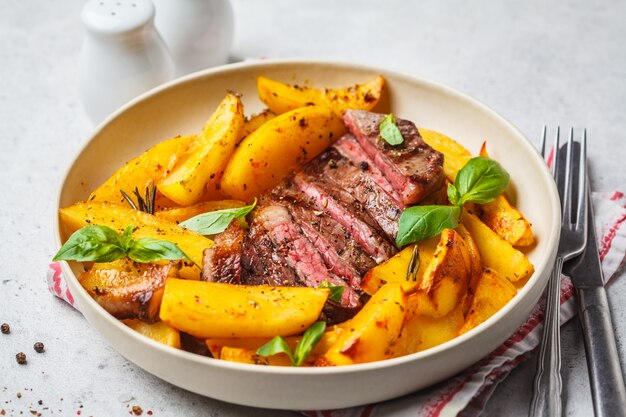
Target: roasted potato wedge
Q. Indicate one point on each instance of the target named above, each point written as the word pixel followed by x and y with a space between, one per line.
pixel 146 225
pixel 495 252
pixel 395 268
pixel 455 155
pixel 215 310
pixel 158 331
pixel 180 214
pixel 243 355
pixel 140 172
pixel 373 331
pixel 420 332
pixel 504 219
pixel 476 265
pixel 446 277
pixel 277 148
pixel 254 122
pixel 200 170
pixel 281 98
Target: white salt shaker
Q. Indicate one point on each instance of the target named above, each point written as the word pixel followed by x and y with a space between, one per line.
pixel 122 55
pixel 198 33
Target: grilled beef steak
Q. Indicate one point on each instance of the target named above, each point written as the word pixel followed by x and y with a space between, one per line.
pixel 334 219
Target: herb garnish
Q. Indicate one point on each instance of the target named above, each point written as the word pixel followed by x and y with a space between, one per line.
pixel 309 339
pixel 97 243
pixel 479 181
pixel 336 291
pixel 146 203
pixel 217 221
pixel 389 130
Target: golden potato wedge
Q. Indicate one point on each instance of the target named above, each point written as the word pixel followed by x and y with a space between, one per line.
pixel 243 355
pixel 215 310
pixel 277 148
pixel 158 331
pixel 446 278
pixel 395 268
pixel 495 252
pixel 455 155
pixel 199 172
pixel 373 331
pixel 420 332
pixel 281 98
pixel 504 219
pixel 140 172
pixel 180 214
pixel 476 265
pixel 146 225
pixel 492 293
pixel 254 122
pixel 328 339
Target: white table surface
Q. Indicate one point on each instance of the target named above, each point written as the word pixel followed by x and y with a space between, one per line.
pixel 534 62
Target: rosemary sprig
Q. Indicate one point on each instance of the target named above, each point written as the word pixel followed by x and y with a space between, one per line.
pixel 414 265
pixel 144 203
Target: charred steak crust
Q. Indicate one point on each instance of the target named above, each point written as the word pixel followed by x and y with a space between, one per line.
pixel 222 261
pixel 413 168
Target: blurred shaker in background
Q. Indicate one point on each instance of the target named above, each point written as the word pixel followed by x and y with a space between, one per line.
pixel 198 33
pixel 122 56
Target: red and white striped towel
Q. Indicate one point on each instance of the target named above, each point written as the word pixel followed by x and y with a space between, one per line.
pixel 467 393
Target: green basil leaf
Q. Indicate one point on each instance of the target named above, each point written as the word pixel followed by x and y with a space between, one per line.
pixel 217 221
pixel 277 345
pixel 151 250
pixel 336 291
pixel 389 130
pixel 127 238
pixel 422 222
pixel 310 338
pixel 480 180
pixel 92 244
pixel 453 195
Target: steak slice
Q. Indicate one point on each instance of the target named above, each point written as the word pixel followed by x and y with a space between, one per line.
pixel 222 261
pixel 298 251
pixel 356 179
pixel 413 168
pixel 341 206
pixel 342 255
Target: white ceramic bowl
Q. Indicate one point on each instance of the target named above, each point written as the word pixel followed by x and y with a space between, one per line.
pixel 182 106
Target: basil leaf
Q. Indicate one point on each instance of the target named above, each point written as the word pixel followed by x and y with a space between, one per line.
pixel 453 195
pixel 127 238
pixel 422 222
pixel 92 244
pixel 389 130
pixel 151 250
pixel 480 180
pixel 217 221
pixel 336 291
pixel 310 338
pixel 277 345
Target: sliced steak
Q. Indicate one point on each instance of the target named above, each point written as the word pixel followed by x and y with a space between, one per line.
pixel 355 177
pixel 299 252
pixel 413 168
pixel 222 261
pixel 341 206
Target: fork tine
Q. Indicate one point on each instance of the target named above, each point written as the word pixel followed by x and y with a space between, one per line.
pixel 581 212
pixel 566 198
pixel 543 142
pixel 555 155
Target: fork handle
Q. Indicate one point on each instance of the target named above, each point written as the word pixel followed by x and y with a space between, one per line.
pixel 546 401
pixel 605 372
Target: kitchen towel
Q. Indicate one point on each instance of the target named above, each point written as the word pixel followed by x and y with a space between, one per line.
pixel 467 393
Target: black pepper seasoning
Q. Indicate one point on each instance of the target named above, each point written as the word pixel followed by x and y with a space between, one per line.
pixel 21 358
pixel 332 163
pixel 364 166
pixel 39 347
pixel 5 328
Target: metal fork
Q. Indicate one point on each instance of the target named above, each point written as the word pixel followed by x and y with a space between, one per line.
pixel 546 400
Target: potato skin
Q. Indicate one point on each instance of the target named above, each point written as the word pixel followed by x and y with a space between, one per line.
pixel 370 335
pixel 146 225
pixel 281 98
pixel 277 148
pixel 216 310
pixel 197 174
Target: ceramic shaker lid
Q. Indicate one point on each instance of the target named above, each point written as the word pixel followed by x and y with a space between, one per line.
pixel 113 17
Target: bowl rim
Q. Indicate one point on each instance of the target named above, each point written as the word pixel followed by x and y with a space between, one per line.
pixel 552 235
